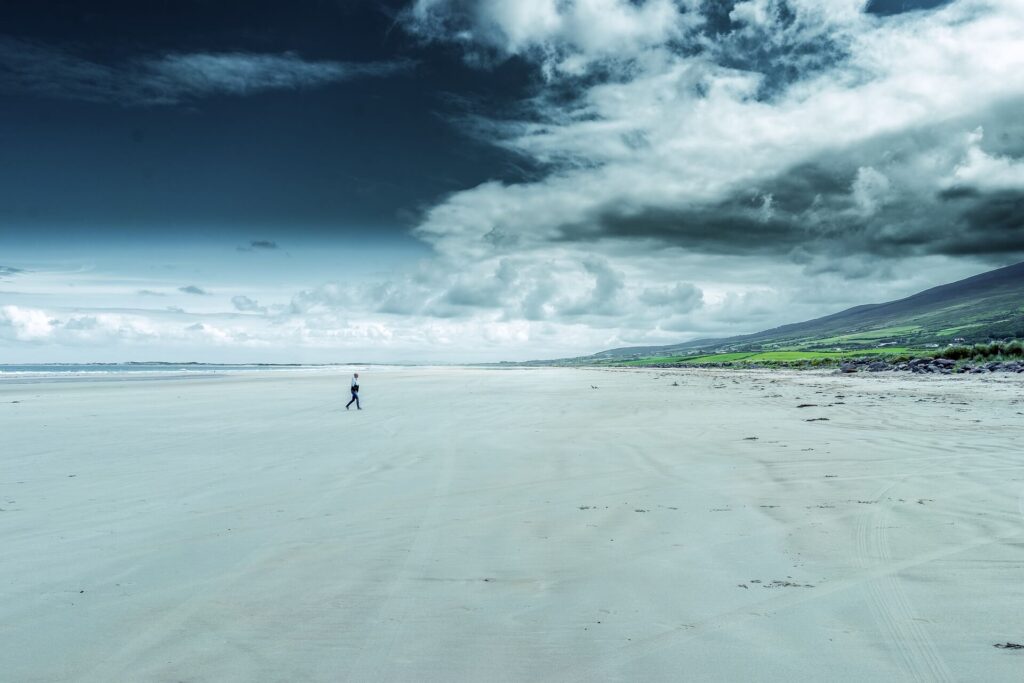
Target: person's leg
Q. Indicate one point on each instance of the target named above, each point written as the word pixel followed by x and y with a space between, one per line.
pixel 354 398
pixel 357 402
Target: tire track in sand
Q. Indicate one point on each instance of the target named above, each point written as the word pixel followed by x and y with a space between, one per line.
pixel 385 631
pixel 919 657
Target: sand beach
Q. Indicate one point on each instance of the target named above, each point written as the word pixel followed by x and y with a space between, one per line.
pixel 512 525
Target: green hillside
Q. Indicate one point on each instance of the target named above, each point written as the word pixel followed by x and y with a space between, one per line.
pixel 975 310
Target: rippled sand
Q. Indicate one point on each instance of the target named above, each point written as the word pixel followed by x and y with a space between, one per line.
pixel 476 524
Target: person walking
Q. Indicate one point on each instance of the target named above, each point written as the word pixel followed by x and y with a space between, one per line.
pixel 355 392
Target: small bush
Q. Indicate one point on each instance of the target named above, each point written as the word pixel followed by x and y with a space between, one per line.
pixel 958 352
pixel 983 352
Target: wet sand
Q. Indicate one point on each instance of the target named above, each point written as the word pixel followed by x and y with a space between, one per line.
pixel 513 525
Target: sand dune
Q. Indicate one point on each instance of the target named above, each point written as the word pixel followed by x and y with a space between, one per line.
pixel 513 525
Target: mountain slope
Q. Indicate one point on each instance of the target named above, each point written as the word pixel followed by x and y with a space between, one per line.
pixel 979 308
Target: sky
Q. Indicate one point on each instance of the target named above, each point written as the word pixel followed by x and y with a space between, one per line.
pixel 483 180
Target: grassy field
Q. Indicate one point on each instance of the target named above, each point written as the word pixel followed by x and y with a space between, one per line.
pixel 872 336
pixel 794 356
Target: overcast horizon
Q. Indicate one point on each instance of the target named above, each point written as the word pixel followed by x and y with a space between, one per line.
pixel 481 180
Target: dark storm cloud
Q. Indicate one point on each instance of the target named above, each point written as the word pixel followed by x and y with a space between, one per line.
pixel 991 224
pixel 169 78
pixel 732 227
pixel 769 219
pixel 967 221
pixel 260 245
pixel 192 289
pixel 889 7
pixel 891 197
